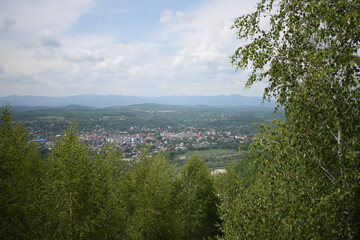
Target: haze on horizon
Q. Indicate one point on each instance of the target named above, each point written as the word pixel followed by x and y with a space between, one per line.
pixel 121 47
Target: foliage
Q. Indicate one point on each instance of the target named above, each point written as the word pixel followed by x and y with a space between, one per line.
pixel 79 195
pixel 214 158
pixel 306 169
pixel 196 201
pixel 148 198
pixel 20 175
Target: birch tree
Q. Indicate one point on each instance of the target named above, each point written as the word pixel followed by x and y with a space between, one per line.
pixel 308 52
pixel 148 199
pixel 196 201
pixel 20 174
pixel 80 194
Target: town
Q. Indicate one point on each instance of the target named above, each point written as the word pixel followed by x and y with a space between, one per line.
pixel 173 130
pixel 158 139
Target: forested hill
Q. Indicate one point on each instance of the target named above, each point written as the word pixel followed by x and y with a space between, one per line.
pixel 80 112
pixel 119 100
pixel 153 116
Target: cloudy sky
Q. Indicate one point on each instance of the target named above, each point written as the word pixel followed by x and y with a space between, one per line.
pixel 125 47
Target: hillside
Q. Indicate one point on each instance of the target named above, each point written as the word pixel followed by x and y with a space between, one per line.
pixel 100 101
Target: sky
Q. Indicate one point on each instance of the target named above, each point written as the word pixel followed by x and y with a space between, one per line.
pixel 121 47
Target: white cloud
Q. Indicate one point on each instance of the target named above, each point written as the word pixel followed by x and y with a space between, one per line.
pixel 171 16
pixel 55 15
pixel 12 78
pixel 205 43
pixel 166 16
pixel 45 54
pixel 39 22
pixel 48 39
pixel 207 37
pixel 82 55
pixel 6 23
pixel 147 70
pixel 59 63
pixel 110 65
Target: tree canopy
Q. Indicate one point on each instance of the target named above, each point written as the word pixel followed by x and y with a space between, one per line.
pixel 306 169
pixel 20 173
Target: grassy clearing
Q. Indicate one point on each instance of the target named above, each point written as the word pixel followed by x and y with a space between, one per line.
pixel 214 158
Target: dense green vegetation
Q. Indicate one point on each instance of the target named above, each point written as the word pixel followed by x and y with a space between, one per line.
pixel 78 195
pixel 300 179
pixel 305 170
pixel 21 171
pixel 214 158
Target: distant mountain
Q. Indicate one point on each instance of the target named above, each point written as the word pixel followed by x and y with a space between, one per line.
pixel 78 107
pixel 100 101
pixel 26 108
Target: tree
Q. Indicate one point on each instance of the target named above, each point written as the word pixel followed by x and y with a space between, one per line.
pixel 196 201
pixel 106 195
pixel 80 191
pixel 148 204
pixel 21 169
pixel 307 177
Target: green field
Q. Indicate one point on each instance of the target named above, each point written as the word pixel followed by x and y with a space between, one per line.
pixel 214 158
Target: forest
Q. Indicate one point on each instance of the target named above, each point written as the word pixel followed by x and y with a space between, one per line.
pixel 300 179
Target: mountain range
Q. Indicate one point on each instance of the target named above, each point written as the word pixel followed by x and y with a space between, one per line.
pixel 100 101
